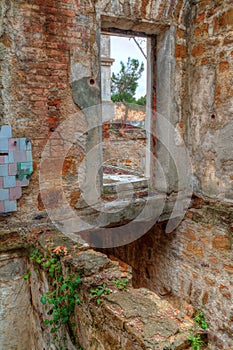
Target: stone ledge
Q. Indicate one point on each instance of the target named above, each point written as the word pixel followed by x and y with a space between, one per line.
pixel 133 319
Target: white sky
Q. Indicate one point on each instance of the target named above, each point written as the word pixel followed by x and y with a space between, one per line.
pixel 121 49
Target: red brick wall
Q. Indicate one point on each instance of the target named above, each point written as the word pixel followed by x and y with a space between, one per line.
pixel 39 42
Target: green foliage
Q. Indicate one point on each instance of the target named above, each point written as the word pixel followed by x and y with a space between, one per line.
pixel 196 342
pixel 99 291
pixel 27 275
pixel 200 319
pixel 122 283
pixel 61 301
pixel 125 83
pixel 141 101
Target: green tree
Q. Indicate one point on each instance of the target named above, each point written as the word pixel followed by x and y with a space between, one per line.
pixel 125 83
pixel 141 101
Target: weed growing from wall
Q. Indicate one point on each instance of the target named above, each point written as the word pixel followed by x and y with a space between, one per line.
pixel 195 339
pixel 62 299
pixel 99 291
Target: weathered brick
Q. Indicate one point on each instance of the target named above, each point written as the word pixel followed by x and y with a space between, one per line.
pixel 201 31
pixel 205 298
pixel 195 249
pixel 225 291
pixel 221 243
pixel 181 51
pixel 223 20
pixel 228 40
pixel 199 50
pixel 180 33
pixel 190 234
pixel 200 18
pixel 213 260
pixel 209 281
pixel 205 240
pixel 223 66
pixel 228 268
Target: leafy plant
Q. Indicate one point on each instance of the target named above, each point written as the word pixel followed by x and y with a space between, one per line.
pixel 99 291
pixel 200 320
pixel 121 284
pixel 36 256
pixel 62 299
pixel 27 275
pixel 196 342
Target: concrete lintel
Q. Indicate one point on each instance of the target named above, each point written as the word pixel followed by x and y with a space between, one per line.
pixel 125 27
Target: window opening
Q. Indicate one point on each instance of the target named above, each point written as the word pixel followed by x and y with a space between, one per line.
pixel 126 104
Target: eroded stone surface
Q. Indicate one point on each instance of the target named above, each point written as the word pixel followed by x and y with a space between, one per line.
pixel 15 305
pixel 129 319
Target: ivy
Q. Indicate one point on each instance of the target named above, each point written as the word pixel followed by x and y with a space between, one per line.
pixel 61 301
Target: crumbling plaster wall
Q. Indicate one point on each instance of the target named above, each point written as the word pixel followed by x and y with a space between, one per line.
pixel 210 101
pixel 15 305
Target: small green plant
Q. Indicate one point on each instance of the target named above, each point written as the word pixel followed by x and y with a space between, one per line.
pixel 122 283
pixel 62 299
pixel 99 291
pixel 36 256
pixel 27 275
pixel 199 318
pixel 112 127
pixel 196 342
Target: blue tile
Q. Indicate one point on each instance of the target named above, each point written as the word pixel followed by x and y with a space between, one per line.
pixel 29 156
pixel 22 144
pixel 4 195
pixel 9 181
pixel 11 157
pixel 10 206
pixel 6 131
pixel 3 169
pixel 4 144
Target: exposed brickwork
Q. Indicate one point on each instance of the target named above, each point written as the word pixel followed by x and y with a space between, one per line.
pixel 191 265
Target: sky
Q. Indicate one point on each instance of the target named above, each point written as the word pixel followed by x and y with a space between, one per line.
pixel 121 49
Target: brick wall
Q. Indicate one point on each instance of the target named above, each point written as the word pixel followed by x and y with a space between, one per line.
pixel 45 47
pixel 191 266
